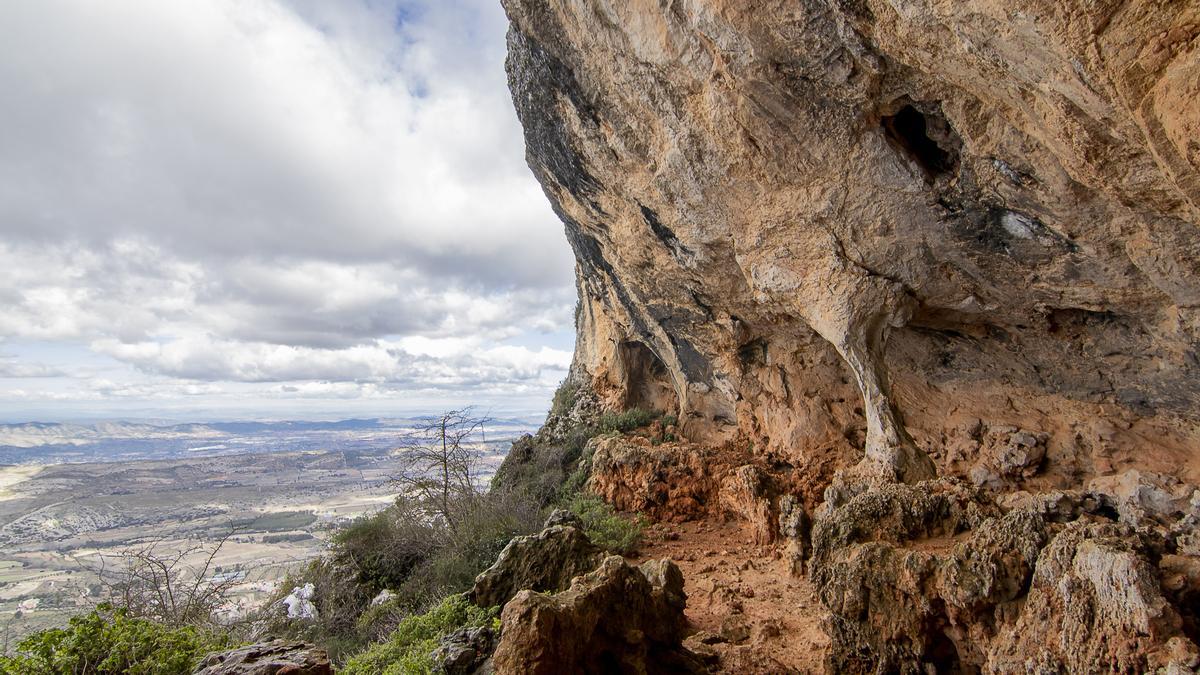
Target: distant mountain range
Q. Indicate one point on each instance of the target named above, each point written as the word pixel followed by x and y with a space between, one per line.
pixel 53 442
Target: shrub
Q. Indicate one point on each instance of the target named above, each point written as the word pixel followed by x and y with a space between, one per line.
pixel 564 397
pixel 573 485
pixel 627 421
pixel 107 641
pixel 605 527
pixel 385 548
pixel 407 650
pixel 339 599
pixel 485 527
pixel 401 549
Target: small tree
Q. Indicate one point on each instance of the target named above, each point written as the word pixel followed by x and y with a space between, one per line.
pixel 149 582
pixel 440 463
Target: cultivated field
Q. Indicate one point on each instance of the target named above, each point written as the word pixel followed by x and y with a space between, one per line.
pixel 60 524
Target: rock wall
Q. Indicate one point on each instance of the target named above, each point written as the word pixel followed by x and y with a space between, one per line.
pixel 963 230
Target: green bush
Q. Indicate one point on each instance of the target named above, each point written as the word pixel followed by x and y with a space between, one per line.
pixel 421 560
pixel 605 527
pixel 407 650
pixel 627 421
pixel 385 548
pixel 106 641
pixel 573 485
pixel 485 527
pixel 340 599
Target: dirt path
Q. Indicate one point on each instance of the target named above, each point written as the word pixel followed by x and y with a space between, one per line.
pixel 745 607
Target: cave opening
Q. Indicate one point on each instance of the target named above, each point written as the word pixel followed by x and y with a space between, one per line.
pixel 927 140
pixel 648 383
pixel 942 654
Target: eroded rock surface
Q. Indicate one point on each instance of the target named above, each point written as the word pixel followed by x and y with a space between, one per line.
pixel 618 618
pixel 853 246
pixel 936 575
pixel 799 221
pixel 270 658
pixel 465 651
pixel 546 561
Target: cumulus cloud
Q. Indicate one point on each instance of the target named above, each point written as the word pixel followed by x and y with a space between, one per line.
pixel 273 191
pixel 383 362
pixel 16 370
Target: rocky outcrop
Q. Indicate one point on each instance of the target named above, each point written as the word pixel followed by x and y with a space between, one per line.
pixel 938 576
pixel 679 481
pixel 269 658
pixel 546 561
pixel 872 229
pixel 666 482
pixel 617 618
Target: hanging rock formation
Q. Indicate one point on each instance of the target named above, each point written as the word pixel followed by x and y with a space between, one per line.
pixel 854 245
pixel 880 229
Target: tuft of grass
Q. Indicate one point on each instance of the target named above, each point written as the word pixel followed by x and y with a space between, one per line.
pixel 573 485
pixel 605 527
pixel 407 651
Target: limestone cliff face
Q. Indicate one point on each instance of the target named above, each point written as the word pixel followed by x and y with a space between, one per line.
pixel 838 227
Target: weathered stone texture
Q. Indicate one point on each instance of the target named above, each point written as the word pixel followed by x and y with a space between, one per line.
pixel 800 221
pixel 857 244
pixel 269 658
pixel 617 618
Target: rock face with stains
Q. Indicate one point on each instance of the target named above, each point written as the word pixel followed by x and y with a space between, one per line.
pixel 927 270
pixel 882 231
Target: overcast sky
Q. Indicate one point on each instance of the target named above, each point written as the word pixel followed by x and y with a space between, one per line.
pixel 269 208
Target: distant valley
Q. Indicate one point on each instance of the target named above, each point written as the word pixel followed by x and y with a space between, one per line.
pixel 73 496
pixel 55 443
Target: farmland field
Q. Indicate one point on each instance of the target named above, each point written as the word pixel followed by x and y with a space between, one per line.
pixel 60 523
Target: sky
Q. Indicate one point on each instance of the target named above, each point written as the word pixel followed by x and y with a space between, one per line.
pixel 216 209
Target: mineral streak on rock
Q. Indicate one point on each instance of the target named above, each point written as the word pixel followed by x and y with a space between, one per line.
pixel 878 229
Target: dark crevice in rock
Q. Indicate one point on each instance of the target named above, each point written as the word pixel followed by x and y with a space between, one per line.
pixel 753 354
pixel 649 383
pixel 912 132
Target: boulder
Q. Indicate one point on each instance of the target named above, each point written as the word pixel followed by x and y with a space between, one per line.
pixel 667 482
pixel 794 530
pixel 546 561
pixel 465 651
pixel 747 492
pixel 1138 496
pixel 563 517
pixel 1007 456
pixel 617 618
pixel 278 657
